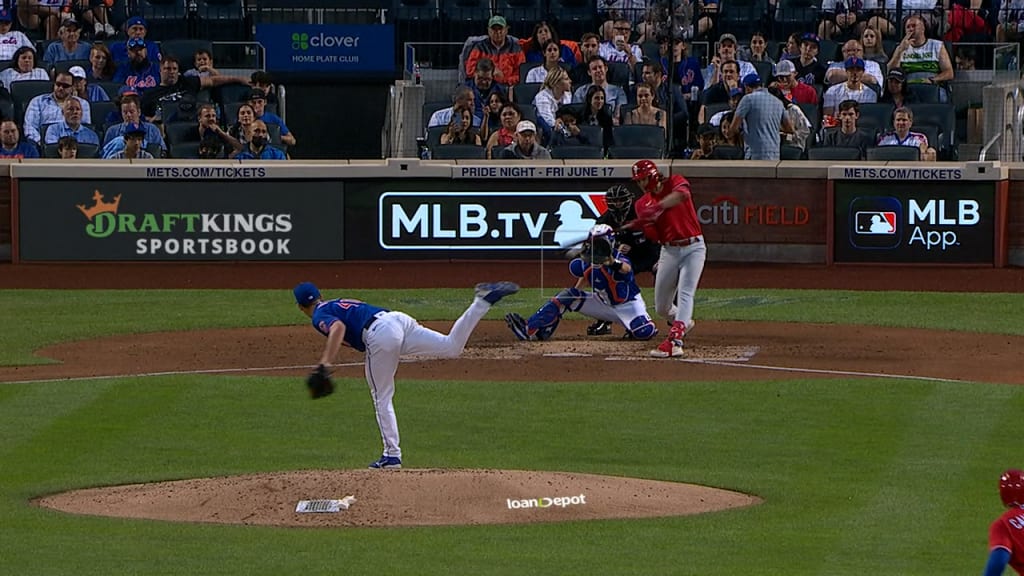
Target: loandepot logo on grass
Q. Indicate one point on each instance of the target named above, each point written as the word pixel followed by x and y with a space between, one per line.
pixel 300 41
pixel 157 233
pixel 547 502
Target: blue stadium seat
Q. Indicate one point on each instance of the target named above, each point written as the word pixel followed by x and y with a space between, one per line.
pixel 522 14
pixel 184 50
pixel 883 153
pixel 222 20
pixel 577 153
pixel 164 18
pixel 458 152
pixel 573 18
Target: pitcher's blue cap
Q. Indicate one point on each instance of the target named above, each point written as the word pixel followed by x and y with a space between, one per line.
pixel 306 293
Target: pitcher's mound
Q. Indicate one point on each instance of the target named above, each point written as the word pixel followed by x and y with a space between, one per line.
pixel 400 498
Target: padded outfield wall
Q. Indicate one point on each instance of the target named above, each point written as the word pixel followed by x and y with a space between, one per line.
pixel 398 209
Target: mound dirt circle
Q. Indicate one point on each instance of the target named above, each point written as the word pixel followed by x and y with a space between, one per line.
pixel 430 497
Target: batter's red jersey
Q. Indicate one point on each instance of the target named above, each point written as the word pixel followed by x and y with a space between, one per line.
pixel 1008 532
pixel 676 223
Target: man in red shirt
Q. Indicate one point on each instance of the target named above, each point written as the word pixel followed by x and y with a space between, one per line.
pixel 1006 534
pixel 667 216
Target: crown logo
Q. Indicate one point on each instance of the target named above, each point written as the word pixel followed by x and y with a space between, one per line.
pixel 99 206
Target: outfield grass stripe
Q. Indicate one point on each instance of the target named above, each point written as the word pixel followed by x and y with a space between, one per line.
pixel 30 410
pixel 821 371
pixel 211 371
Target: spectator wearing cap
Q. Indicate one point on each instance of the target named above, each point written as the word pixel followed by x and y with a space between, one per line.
pixel 796 92
pixel 11 144
pixel 134 27
pixel 131 115
pixel 49 108
pixel 69 47
pixel 808 69
pixel 848 134
pixel 139 73
pixel 258 101
pixel 10 40
pixel 483 85
pixel 505 52
pixel 72 126
pixel 726 53
pixel 852 89
pixel 854 49
pixel 261 80
pixel 23 67
pixel 924 60
pixel 687 73
pixel 259 147
pixel 134 145
pixel 707 139
pixel 202 64
pixel 525 145
pixel 896 91
pixel 760 116
pixel 619 49
pixel 90 92
pixel 842 18
pixel 174 87
pixel 735 95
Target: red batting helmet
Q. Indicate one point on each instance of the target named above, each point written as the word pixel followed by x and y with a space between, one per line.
pixel 1011 488
pixel 647 169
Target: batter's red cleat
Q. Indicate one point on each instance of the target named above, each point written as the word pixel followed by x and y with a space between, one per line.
pixel 670 348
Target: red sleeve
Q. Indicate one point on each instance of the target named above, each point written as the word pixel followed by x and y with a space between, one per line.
pixel 517 59
pixel 680 184
pixel 575 47
pixel 999 536
pixel 474 55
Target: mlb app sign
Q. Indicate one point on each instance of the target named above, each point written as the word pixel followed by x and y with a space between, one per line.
pixel 328 48
pixel 914 223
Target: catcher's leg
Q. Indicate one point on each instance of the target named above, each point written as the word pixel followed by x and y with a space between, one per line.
pixel 542 324
pixel 383 349
pixel 633 315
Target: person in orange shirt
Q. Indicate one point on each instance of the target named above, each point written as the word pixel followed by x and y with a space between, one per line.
pixel 506 54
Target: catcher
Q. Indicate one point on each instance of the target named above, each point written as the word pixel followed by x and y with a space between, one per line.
pixel 643 253
pixel 614 295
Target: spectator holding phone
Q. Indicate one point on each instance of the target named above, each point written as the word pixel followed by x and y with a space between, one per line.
pixel 460 128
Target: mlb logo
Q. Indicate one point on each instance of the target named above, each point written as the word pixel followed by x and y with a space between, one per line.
pixel 871 222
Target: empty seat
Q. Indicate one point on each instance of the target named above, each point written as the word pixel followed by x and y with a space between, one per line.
pixel 791 153
pixel 164 18
pixel 882 153
pixel 178 132
pixel 458 152
pixel 577 152
pixel 184 50
pixel 183 150
pixel 726 152
pixel 834 153
pixel 640 135
pixel 524 93
pixel 221 20
pixel 634 152
pixel 876 117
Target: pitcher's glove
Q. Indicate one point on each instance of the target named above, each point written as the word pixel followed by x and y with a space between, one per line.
pixel 319 383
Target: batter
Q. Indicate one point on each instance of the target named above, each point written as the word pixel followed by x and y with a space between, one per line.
pixel 385 335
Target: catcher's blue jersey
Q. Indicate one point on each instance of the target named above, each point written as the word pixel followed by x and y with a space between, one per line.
pixel 610 286
pixel 353 313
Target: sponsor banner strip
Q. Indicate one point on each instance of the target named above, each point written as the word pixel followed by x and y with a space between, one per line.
pixel 921 172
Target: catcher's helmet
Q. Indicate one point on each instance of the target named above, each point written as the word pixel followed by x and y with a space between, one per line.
pixel 1011 487
pixel 646 169
pixel 619 198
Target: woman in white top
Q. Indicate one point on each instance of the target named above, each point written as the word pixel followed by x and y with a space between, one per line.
pixel 552 52
pixel 557 92
pixel 23 67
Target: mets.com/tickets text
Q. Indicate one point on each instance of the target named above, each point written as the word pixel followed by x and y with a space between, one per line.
pixel 215 172
pixel 904 173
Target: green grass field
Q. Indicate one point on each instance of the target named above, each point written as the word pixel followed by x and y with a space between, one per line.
pixel 859 477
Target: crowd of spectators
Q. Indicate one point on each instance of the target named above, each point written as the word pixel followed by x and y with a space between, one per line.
pixel 633 86
pixel 90 90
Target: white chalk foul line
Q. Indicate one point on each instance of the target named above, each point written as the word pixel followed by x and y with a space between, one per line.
pixel 822 371
pixel 176 373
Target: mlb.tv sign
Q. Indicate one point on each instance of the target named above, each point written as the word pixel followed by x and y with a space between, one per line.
pixel 915 223
pixel 332 48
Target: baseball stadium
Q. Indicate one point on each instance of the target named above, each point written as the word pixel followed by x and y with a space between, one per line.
pixel 631 286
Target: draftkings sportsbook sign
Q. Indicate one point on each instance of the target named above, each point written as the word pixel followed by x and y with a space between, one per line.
pixel 133 220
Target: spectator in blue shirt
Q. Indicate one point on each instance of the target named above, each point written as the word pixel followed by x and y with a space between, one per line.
pixel 69 48
pixel 131 114
pixel 11 144
pixel 259 147
pixel 258 100
pixel 139 73
pixel 134 27
pixel 71 125
pixel 48 108
pixel 84 90
pixel 134 140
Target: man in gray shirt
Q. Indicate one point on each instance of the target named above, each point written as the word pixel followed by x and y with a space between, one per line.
pixel 525 146
pixel 760 116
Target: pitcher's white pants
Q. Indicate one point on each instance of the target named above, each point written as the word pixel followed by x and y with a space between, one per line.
pixel 395 334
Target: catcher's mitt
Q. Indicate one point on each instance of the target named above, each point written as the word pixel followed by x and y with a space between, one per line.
pixel 319 382
pixel 597 250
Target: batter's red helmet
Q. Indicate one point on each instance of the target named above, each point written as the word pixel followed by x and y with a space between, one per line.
pixel 1011 487
pixel 645 169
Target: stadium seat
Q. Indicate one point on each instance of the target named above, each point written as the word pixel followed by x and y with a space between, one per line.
pixel 231 93
pixel 726 152
pixel 833 153
pixel 99 112
pixel 465 17
pixel 593 134
pixel 943 116
pixel 434 136
pixel 529 112
pixel 577 153
pixel 183 150
pixel 24 91
pixel 184 50
pixel 875 117
pixel 926 93
pixel 113 89
pixel 178 132
pixel 573 17
pixel 791 153
pixel 84 151
pixel 221 20
pixel 618 73
pixel 524 93
pixel 632 135
pixel 882 153
pixel 458 152
pixel 633 152
pixel 66 65
pixel 164 18
pixel 521 13
pixel 525 68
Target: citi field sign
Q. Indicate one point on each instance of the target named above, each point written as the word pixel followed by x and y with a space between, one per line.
pixel 480 220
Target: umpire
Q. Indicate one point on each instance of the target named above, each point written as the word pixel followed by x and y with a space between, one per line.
pixel 642 253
